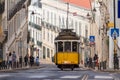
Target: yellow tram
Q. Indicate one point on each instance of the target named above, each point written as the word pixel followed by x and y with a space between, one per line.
pixel 67 50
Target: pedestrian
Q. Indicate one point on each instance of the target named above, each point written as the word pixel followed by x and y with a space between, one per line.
pixel 31 60
pixel 87 62
pixel 26 60
pixel 37 61
pixel 10 60
pixel 14 59
pixel 90 62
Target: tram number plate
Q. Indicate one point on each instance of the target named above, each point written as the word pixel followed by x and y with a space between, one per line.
pixel 66 62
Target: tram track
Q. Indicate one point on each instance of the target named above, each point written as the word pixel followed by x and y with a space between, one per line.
pixel 85 77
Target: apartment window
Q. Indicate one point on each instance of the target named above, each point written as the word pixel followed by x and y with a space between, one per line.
pixel 36 20
pixel 43 13
pixel 12 22
pixel 39 21
pixel 86 31
pixel 47 16
pixel 36 35
pixel 55 19
pixel 44 52
pixel 63 24
pixel 48 52
pixel 51 38
pixel 70 21
pixel 44 34
pixel 59 22
pixel 33 34
pixel 15 26
pixel 80 28
pixel 48 36
pixel 76 27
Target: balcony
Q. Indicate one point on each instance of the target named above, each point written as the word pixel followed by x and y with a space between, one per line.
pixel 39 43
pixel 38 27
pixel 17 7
pixel 6 36
pixel 2 7
pixel 29 2
pixel 32 39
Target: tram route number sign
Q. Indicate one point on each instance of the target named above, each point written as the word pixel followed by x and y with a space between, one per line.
pixel 92 38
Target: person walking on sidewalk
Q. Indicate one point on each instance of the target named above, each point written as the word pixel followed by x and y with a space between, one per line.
pixel 37 61
pixel 10 60
pixel 14 59
pixel 26 60
pixel 31 60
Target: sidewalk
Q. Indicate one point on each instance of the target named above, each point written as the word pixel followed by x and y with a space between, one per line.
pixel 23 68
pixel 111 70
pixel 42 61
pixel 103 70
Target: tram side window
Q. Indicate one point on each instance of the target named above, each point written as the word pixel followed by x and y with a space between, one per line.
pixel 68 46
pixel 56 47
pixel 74 46
pixel 60 46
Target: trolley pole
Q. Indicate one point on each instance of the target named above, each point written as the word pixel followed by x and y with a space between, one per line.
pixel 67 14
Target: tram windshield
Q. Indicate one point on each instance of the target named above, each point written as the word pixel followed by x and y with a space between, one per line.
pixel 60 46
pixel 68 46
pixel 74 46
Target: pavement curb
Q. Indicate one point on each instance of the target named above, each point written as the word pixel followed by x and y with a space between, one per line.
pixel 16 69
pixel 105 70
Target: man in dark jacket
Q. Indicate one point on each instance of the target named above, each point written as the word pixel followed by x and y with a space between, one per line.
pixel 31 60
pixel 26 60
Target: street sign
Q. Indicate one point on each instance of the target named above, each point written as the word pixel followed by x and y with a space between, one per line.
pixel 92 38
pixel 114 32
pixel 118 9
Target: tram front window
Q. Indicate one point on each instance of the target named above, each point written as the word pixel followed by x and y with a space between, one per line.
pixel 60 46
pixel 68 46
pixel 74 46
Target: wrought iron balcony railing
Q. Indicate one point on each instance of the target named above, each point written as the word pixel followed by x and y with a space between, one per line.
pixel 39 43
pixel 29 2
pixel 17 7
pixel 2 7
pixel 35 25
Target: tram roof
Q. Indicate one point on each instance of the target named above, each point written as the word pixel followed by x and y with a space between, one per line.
pixel 67 34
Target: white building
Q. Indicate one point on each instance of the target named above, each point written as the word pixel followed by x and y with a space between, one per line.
pixel 54 13
pixel 53 16
pixel 15 26
pixel 35 29
pixel 111 47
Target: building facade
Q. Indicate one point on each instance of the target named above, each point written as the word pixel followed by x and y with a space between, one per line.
pixel 2 35
pixel 35 29
pixel 55 16
pixel 15 27
pixel 102 40
pixel 114 12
